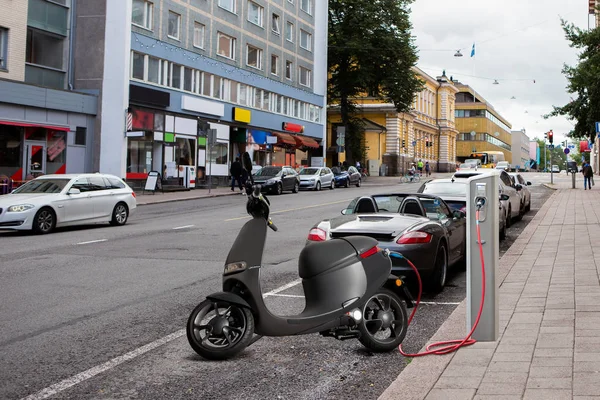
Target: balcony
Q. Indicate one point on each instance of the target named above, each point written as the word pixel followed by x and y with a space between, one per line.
pixel 48 17
pixel 44 76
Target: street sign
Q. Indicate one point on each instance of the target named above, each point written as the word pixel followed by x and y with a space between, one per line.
pixel 341 130
pixel 341 141
pixel 414 143
pixel 567 151
pixel 340 149
pixel 551 146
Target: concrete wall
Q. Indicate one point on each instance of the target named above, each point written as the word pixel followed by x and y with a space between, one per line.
pixel 13 16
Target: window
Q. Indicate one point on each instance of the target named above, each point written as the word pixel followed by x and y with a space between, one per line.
pixel 254 57
pixel 305 76
pixel 275 24
pixel 188 79
pixel 142 14
pixel 44 49
pixel 199 35
pixel 305 5
pixel 274 64
pixel 288 69
pixel 229 5
pixel 255 13
pixel 289 32
pixel 175 76
pixel 218 154
pixel 226 46
pixel 174 24
pixel 80 136
pixel 3 47
pixel 138 66
pixel 154 70
pixel 305 40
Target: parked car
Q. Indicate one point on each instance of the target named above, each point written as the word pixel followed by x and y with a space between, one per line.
pixel 555 168
pixel 454 193
pixel 522 186
pixel 507 187
pixel 346 178
pixel 52 201
pixel 503 165
pixel 421 227
pixel 277 179
pixel 316 178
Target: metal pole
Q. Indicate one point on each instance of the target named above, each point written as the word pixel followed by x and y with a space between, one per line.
pixel 545 156
pixel 551 169
pixel 573 179
pixel 210 147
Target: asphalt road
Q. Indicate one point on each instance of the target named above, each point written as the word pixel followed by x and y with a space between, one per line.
pixel 81 304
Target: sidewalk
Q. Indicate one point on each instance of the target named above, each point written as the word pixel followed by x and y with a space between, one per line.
pixel 159 197
pixel 549 345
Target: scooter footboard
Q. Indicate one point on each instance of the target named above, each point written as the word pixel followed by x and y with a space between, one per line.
pixel 228 297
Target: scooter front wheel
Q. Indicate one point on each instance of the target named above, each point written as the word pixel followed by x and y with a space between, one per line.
pixel 219 330
pixel 384 323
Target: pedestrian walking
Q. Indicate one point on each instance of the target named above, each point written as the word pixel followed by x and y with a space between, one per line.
pixel 588 173
pixel 236 174
pixel 427 169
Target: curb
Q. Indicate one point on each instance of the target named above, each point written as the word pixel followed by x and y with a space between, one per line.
pixel 549 186
pixel 424 372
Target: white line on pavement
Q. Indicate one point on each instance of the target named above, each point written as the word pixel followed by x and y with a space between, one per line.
pixel 183 227
pixel 93 241
pixel 90 373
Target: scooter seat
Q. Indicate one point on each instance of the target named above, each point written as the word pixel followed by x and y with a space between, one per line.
pixel 319 257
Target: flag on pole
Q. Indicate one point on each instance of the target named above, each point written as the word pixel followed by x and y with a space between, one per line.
pixel 473 50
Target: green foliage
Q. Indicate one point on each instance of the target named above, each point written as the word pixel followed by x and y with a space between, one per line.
pixel 556 155
pixel 371 51
pixel 584 82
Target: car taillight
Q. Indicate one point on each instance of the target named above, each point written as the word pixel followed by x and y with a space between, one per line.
pixel 370 252
pixel 317 235
pixel 415 237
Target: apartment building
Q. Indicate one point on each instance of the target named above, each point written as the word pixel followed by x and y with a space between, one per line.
pixel 45 126
pixel 520 150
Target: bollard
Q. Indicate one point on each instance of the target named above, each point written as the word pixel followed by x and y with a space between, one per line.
pixel 573 179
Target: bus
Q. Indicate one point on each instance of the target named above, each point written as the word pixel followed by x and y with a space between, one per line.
pixel 489 159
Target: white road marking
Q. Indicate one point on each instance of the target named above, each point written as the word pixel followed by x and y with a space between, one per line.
pixel 293 209
pixel 93 241
pixel 183 227
pixel 90 373
pixel 435 303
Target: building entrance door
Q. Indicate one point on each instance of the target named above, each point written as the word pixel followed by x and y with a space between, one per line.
pixel 34 159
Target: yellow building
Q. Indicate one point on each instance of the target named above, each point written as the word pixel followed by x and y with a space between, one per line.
pixel 395 139
pixel 481 128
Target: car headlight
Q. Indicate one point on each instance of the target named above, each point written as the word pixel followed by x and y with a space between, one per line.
pixel 20 208
pixel 270 182
pixel 312 180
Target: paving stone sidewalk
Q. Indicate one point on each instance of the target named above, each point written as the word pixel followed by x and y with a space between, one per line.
pixel 549 345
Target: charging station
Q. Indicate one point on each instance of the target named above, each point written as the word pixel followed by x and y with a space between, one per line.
pixel 483 196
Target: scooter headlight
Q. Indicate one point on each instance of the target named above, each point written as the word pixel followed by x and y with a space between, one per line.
pixel 234 267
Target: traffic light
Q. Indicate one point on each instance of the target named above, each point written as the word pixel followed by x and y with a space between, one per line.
pixel 403 143
pixel 550 137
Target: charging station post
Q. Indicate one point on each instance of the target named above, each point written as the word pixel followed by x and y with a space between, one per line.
pixel 483 196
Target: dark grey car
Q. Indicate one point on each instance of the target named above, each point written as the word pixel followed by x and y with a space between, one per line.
pixel 277 179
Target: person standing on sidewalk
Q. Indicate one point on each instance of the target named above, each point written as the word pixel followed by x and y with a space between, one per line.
pixel 236 174
pixel 427 169
pixel 587 175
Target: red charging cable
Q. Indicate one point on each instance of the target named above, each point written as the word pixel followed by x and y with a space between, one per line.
pixel 450 346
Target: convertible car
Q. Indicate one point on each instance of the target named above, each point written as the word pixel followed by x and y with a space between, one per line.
pixel 421 227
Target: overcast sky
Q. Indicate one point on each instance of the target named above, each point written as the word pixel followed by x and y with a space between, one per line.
pixel 516 42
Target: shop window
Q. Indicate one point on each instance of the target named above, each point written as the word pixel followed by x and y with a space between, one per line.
pixel 154 70
pixel 11 150
pixel 159 122
pixel 142 120
pixel 80 136
pixel 139 156
pixel 174 25
pixel 186 151
pixel 44 49
pixel 142 14
pixel 137 70
pixel 218 154
pixel 225 46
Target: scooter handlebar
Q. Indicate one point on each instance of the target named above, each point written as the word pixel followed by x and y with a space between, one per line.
pixel 271 225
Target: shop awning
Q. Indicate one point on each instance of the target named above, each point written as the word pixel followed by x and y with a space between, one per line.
pixel 284 138
pixel 28 124
pixel 305 141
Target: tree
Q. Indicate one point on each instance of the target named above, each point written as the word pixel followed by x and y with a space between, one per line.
pixel 584 83
pixel 557 155
pixel 371 52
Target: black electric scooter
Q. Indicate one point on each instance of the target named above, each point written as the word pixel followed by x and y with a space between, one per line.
pixel 349 292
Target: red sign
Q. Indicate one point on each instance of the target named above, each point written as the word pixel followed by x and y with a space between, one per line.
pixel 584 147
pixel 288 126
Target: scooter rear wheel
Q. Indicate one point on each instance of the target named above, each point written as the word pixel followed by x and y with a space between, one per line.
pixel 219 330
pixel 384 323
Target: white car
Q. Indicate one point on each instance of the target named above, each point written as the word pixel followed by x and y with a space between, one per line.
pixel 52 201
pixel 504 165
pixel 316 178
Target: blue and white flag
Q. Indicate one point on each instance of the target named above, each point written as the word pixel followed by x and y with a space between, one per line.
pixel 473 50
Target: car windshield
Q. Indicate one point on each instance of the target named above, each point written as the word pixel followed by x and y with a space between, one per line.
pixel 309 171
pixel 43 186
pixel 336 170
pixel 447 188
pixel 269 171
pixel 388 203
pixel 465 166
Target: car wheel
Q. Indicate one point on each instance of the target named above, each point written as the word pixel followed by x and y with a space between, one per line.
pixel 358 183
pixel 508 217
pixel 528 208
pixel 296 188
pixel 318 187
pixel 120 215
pixel 347 183
pixel 279 189
pixel 438 277
pixel 44 221
pixel 332 186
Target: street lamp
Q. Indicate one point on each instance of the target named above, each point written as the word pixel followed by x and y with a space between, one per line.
pixel 496 82
pixel 458 53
